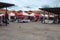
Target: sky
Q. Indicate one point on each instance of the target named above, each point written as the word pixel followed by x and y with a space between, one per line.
pixel 32 4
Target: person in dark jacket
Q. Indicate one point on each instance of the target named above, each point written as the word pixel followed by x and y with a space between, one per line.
pixel 6 18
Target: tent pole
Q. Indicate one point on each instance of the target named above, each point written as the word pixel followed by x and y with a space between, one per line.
pixel 48 16
pixel 44 17
pixel 6 16
pixel 6 10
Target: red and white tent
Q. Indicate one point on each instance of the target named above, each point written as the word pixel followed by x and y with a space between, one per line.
pixel 11 14
pixel 2 14
pixel 32 14
pixel 44 15
pixel 39 15
pixel 25 14
pixel 18 14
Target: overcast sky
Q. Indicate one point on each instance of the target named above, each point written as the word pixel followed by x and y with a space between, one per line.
pixel 32 4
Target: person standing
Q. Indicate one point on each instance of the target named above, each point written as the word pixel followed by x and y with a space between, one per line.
pixel 6 18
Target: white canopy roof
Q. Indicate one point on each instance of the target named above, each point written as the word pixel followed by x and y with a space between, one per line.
pixel 32 14
pixel 26 14
pixel 12 14
pixel 51 15
pixel 45 15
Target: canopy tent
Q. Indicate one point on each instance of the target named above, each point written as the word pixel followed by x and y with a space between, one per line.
pixel 25 14
pixel 27 9
pixel 11 14
pixel 18 14
pixel 38 14
pixel 3 5
pixel 44 15
pixel 3 14
pixel 55 10
pixel 32 14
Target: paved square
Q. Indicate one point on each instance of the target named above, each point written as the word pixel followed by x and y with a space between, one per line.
pixel 30 31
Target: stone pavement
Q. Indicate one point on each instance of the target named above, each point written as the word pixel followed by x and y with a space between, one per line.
pixel 30 31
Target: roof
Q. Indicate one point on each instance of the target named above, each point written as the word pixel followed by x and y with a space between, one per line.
pixel 3 5
pixel 55 10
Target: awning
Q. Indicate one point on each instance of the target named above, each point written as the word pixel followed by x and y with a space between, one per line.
pixel 3 5
pixel 55 10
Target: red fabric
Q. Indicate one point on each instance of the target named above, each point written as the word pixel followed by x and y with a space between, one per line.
pixel 38 14
pixel 3 15
pixel 18 14
pixel 23 17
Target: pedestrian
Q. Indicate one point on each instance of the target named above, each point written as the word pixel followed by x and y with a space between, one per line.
pixel 6 18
